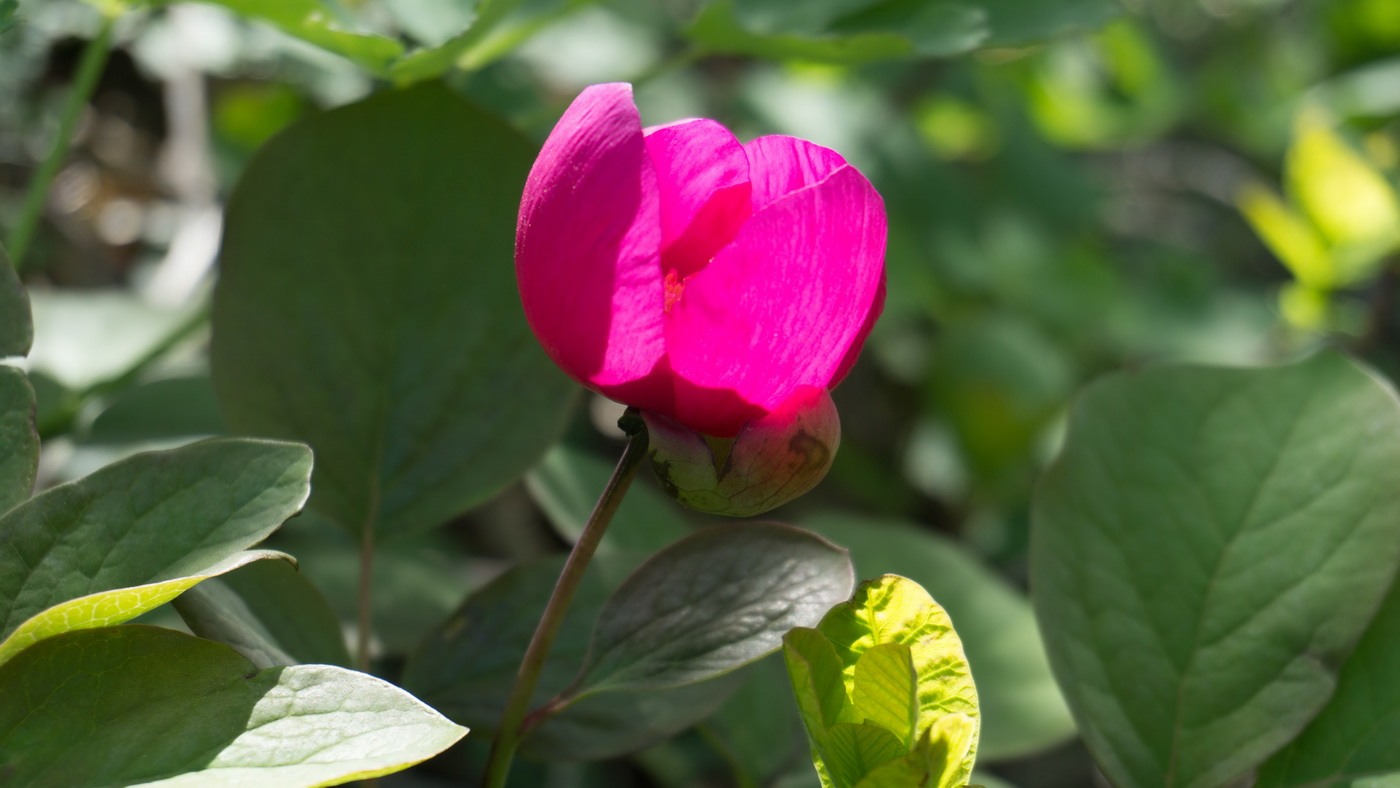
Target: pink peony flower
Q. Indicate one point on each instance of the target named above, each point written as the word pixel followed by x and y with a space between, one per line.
pixel 678 271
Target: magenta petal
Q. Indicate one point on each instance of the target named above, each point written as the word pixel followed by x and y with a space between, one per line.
pixel 703 178
pixel 782 305
pixel 876 309
pixel 587 248
pixel 779 166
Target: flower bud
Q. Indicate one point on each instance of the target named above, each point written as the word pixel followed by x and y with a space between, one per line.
pixel 771 461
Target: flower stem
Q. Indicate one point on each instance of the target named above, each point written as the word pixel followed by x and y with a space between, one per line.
pixel 89 69
pixel 509 732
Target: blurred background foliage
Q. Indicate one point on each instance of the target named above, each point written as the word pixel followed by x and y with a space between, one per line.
pixel 1073 186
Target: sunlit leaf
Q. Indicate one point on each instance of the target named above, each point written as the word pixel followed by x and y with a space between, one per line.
pixel 1020 708
pixel 1205 552
pixel 1345 196
pixel 893 609
pixel 136 704
pixel 367 305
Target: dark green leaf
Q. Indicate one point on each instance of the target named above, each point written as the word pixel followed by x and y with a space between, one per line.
pixel 268 612
pixel 136 704
pixel 135 534
pixel 19 443
pixel 715 600
pixel 417 580
pixel 567 483
pixel 161 409
pixel 1020 705
pixel 758 729
pixel 16 327
pixel 466 668
pixel 367 305
pixel 1352 741
pixel 616 723
pixel 1208 548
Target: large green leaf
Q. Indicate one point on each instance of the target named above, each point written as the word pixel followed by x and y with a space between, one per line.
pixel 19 443
pixel 108 547
pixel 1354 738
pixel 1207 549
pixel 367 305
pixel 715 600
pixel 268 612
pixel 136 704
pixel 315 22
pixel 1021 708
pixel 16 328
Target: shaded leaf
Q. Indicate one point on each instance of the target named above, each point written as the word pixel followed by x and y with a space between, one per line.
pixel 567 483
pixel 268 612
pixel 758 728
pixel 715 600
pixel 133 535
pixel 113 706
pixel 396 211
pixel 1197 599
pixel 610 724
pixel 467 666
pixel 1352 740
pixel 19 443
pixel 16 327
pixel 160 409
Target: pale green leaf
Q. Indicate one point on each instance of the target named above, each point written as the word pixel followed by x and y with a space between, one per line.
pixel 1020 708
pixel 893 609
pixel 853 750
pixel 885 692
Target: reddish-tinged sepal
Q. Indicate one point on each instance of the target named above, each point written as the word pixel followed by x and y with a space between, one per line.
pixel 772 460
